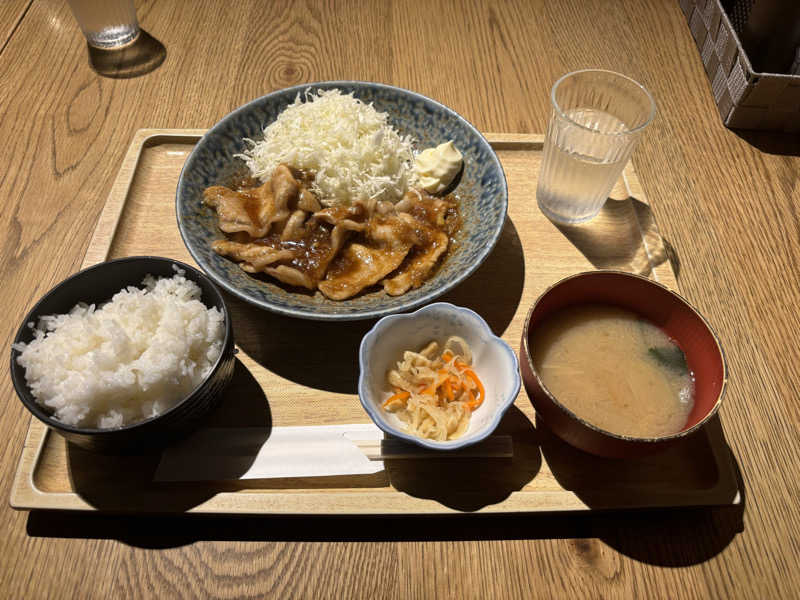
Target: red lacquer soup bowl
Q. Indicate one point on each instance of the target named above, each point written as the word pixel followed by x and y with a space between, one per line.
pixel 660 306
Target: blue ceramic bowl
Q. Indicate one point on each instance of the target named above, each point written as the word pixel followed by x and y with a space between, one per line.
pixel 482 188
pixel 493 361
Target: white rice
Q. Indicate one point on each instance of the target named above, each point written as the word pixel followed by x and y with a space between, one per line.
pixel 133 358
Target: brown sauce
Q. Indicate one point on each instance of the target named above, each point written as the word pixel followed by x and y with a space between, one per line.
pixel 313 247
pixel 312 242
pixel 251 205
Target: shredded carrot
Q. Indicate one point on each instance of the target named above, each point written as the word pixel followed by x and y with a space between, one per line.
pixel 456 385
pixel 401 395
pixel 441 377
pixel 447 382
pixel 476 380
pixel 447 356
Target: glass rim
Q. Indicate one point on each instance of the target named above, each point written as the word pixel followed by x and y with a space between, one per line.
pixel 627 131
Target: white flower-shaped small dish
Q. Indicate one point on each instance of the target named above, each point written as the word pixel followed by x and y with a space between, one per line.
pixel 493 360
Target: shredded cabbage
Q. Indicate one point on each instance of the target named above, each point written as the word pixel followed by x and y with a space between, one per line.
pixel 352 150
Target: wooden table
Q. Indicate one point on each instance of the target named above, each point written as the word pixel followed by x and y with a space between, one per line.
pixel 726 202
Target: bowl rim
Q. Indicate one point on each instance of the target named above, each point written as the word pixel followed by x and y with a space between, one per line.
pixel 310 313
pixel 625 438
pixel 374 412
pixel 627 132
pixel 26 396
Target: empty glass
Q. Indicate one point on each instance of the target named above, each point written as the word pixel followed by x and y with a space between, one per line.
pixel 598 116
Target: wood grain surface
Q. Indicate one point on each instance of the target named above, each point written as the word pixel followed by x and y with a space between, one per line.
pixel 726 202
pixel 11 14
pixel 283 380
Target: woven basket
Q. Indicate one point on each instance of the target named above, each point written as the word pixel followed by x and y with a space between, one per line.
pixel 746 99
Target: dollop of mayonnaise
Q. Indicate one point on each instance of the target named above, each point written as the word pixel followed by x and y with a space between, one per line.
pixel 436 167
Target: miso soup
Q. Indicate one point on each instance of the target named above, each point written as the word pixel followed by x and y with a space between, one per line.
pixel 615 370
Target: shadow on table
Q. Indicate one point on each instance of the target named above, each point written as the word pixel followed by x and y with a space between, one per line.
pixel 673 538
pixel 469 485
pixel 665 537
pixel 698 467
pixel 771 142
pixel 126 483
pixel 676 538
pixel 702 467
pixel 143 55
pixel 494 291
pixel 317 354
pixel 324 355
pixel 623 236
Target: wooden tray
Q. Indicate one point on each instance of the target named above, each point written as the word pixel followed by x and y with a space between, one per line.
pixel 294 372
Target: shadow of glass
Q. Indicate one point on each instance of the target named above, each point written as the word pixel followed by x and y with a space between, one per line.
pixel 141 56
pixel 656 247
pixel 324 355
pixel 469 485
pixel 125 483
pixel 623 236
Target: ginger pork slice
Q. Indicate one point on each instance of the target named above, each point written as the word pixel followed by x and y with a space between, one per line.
pixel 286 192
pixel 291 276
pixel 253 257
pixel 360 266
pixel 255 211
pixel 388 240
pixel 418 265
pixel 248 211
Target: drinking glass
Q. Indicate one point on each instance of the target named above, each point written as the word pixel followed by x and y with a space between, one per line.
pixel 598 117
pixel 107 24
